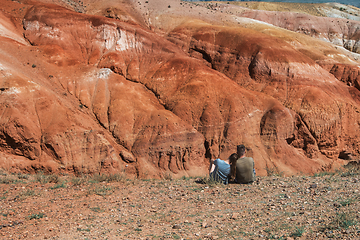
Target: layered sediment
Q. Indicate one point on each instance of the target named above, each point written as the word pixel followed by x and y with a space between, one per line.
pixel 150 89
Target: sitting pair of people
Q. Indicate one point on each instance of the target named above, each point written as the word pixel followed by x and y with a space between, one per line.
pixel 237 166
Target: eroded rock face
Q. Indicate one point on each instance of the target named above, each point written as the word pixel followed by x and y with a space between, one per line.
pixel 323 106
pixel 349 74
pixel 87 93
pixel 341 32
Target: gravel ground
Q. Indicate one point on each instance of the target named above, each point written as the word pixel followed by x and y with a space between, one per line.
pixel 113 207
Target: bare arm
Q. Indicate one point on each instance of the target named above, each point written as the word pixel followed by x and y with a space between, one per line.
pixel 212 165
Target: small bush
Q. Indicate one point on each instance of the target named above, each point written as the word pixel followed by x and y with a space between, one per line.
pixel 208 181
pixel 351 170
pixel 347 202
pixel 96 209
pixel 274 172
pixel 83 229
pixel 101 191
pixel 185 178
pixel 36 216
pixel 168 176
pixel 108 178
pixel 340 221
pixel 4 195
pixel 60 185
pixel 76 181
pixel 43 178
pixel 23 176
pixel 6 180
pixel 298 232
pixel 28 193
pixel 324 173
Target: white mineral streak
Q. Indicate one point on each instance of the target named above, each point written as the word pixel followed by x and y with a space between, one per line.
pixel 244 20
pixel 110 35
pixel 2 67
pixel 53 33
pixel 13 90
pixel 32 25
pixel 252 114
pixel 104 73
pixel 127 41
pixel 4 71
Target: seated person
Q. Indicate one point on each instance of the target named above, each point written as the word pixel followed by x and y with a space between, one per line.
pixel 220 170
pixel 245 171
pixel 233 158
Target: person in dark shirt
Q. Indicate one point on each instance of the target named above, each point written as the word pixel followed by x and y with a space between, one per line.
pixel 245 171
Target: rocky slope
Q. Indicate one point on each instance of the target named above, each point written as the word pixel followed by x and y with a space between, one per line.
pixel 153 88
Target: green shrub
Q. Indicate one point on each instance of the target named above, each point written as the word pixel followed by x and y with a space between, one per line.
pixel 107 177
pixel 298 232
pixel 60 185
pixel 36 216
pixel 6 180
pixel 76 181
pixel 43 178
pixel 340 221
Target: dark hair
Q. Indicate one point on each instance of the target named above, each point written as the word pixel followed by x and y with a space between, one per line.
pixel 232 159
pixel 240 150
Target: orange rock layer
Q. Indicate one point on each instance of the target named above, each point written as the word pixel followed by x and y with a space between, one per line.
pixel 85 93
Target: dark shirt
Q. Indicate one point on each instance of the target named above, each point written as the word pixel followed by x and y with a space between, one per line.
pixel 245 170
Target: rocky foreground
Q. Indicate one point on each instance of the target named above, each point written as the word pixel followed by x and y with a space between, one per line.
pixel 113 207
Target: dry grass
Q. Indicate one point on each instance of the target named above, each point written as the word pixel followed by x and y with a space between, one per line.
pixel 306 207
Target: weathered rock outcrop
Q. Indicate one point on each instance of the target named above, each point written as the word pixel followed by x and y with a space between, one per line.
pixel 86 93
pixel 325 107
pixel 349 74
pixel 339 31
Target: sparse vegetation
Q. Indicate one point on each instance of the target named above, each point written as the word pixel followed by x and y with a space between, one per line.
pixel 28 193
pixel 23 176
pixel 168 176
pixel 96 209
pixel 77 181
pixel 6 180
pixel 350 170
pixel 96 178
pixel 342 220
pixel 208 181
pixel 60 185
pixel 36 216
pixel 299 231
pixel 314 207
pixel 44 178
pixel 101 190
pixel 83 229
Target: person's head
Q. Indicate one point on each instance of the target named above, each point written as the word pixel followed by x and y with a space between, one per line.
pixel 241 150
pixel 232 159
